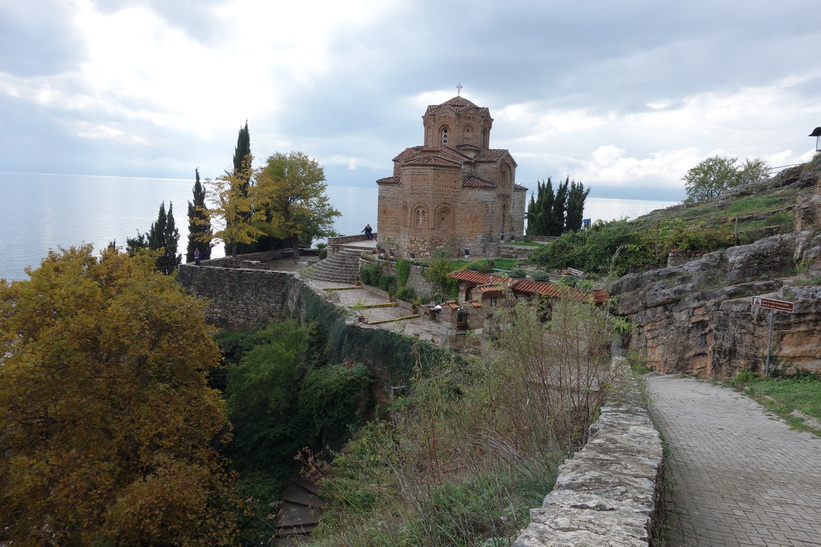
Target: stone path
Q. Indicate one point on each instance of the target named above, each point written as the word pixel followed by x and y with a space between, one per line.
pixel 737 475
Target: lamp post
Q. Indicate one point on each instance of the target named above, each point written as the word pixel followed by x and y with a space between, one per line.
pixel 817 134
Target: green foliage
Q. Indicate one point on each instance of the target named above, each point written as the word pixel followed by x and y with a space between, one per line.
pixel 199 223
pixel 332 402
pixel 518 273
pixel 387 282
pixel 552 213
pixel 370 274
pixel 262 398
pixel 406 293
pixel 470 447
pixel 481 265
pixel 575 206
pixel 715 175
pixel 291 192
pixel 540 276
pixel 163 237
pixel 439 266
pixel 403 269
pixel 798 391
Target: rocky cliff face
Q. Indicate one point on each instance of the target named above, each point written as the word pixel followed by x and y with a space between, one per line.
pixel 697 318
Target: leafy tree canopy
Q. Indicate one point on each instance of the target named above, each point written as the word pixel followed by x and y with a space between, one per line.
pixel 108 423
pixel 715 175
pixel 292 193
pixel 231 206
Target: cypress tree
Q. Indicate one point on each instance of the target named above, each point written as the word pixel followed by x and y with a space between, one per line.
pixel 575 206
pixel 242 164
pixel 199 223
pixel 557 216
pixel 162 236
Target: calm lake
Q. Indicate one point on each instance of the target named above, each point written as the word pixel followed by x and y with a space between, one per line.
pixel 41 212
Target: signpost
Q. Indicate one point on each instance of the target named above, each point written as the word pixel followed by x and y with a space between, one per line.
pixel 772 304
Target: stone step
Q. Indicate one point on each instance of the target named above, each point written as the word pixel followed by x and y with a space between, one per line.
pixel 341 267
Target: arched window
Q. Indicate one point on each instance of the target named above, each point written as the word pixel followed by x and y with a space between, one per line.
pixel 420 217
pixel 444 136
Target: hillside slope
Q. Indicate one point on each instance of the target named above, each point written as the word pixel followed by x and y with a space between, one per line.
pixel 697 317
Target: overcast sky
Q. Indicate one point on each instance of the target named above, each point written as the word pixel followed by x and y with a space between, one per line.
pixel 624 96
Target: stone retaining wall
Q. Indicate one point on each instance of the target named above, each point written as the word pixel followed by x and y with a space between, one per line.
pixel 239 296
pixel 610 492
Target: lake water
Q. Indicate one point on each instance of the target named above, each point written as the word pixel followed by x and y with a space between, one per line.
pixel 41 212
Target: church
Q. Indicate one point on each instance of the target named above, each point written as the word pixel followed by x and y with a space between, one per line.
pixel 454 191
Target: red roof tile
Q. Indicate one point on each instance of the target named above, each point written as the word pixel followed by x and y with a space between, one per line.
pixel 519 187
pixel 490 155
pixel 489 283
pixel 478 277
pixel 476 182
pixel 435 161
pixel 388 180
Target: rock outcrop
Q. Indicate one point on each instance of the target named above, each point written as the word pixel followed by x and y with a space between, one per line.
pixel 698 318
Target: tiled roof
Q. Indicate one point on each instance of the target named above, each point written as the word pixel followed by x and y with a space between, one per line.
pixel 489 283
pixel 519 187
pixel 488 289
pixel 478 277
pixel 435 161
pixel 491 155
pixel 408 152
pixel 476 182
pixel 459 104
pixel 388 180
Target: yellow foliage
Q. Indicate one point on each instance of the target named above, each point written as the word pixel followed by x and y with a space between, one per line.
pixel 106 417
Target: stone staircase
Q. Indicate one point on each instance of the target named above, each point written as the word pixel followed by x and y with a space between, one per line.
pixel 341 267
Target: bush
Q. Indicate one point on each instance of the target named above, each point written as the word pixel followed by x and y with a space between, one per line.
pixel 480 265
pixel 370 274
pixel 406 293
pixel 518 273
pixel 540 276
pixel 387 282
pixel 402 272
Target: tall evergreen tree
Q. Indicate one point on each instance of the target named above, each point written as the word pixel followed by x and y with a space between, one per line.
pixel 575 206
pixel 242 170
pixel 162 236
pixel 557 216
pixel 199 223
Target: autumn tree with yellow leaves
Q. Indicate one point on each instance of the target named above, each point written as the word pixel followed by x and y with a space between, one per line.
pixel 107 425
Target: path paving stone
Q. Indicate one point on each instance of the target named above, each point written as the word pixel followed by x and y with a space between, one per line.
pixel 737 474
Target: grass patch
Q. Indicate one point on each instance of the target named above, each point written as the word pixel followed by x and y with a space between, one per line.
pixel 784 394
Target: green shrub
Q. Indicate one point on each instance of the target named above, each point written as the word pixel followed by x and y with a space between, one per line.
pixel 370 274
pixel 480 265
pixel 540 276
pixel 406 293
pixel 518 273
pixel 402 272
pixel 387 282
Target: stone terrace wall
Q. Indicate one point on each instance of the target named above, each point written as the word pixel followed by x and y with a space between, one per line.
pixel 609 493
pixel 239 296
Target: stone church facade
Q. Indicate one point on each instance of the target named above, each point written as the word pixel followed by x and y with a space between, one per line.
pixel 454 191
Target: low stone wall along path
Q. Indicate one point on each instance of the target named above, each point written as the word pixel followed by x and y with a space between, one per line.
pixel 736 474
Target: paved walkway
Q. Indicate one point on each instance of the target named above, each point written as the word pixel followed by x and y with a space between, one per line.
pixel 737 475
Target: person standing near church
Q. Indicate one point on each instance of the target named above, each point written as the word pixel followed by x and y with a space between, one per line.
pixel 368 230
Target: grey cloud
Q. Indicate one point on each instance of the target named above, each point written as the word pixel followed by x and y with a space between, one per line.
pixel 37 38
